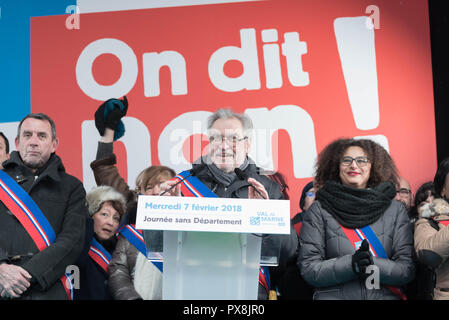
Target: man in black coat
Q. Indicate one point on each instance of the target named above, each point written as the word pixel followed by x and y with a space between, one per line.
pixel 25 271
pixel 230 142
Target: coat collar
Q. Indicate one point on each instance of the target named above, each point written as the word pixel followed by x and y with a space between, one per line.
pixel 438 210
pixel 53 167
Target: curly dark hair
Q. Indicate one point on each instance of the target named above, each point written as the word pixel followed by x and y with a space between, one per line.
pixel 382 165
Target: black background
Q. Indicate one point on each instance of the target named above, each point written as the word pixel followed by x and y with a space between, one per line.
pixel 439 37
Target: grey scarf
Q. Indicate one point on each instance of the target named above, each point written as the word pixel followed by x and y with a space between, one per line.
pixel 223 177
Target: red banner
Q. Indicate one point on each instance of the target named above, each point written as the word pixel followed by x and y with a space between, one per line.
pixel 307 72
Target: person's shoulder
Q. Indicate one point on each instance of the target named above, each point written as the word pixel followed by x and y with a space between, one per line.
pixel 67 177
pixel 71 183
pixel 259 173
pixel 396 207
pixel 314 210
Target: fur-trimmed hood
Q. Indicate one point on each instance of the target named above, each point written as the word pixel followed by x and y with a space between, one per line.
pixel 97 196
pixel 435 208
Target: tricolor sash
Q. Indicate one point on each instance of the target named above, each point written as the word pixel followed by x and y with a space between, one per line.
pixel 356 236
pixel 264 278
pixel 135 237
pixel 193 187
pixel 99 254
pixel 30 216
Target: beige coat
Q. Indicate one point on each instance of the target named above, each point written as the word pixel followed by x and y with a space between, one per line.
pixel 432 246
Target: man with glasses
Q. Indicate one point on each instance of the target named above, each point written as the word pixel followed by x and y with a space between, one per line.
pixel 229 144
pixel 404 193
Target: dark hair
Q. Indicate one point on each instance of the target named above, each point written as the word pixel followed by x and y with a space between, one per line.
pixel 306 188
pixel 382 165
pixel 440 177
pixel 6 141
pixel 422 192
pixel 39 116
pixel 280 179
pixel 420 196
pixel 118 206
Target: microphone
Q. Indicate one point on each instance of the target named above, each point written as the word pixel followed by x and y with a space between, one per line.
pixel 193 172
pixel 242 175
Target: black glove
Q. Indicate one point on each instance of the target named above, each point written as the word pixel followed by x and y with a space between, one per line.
pixel 361 259
pixel 114 116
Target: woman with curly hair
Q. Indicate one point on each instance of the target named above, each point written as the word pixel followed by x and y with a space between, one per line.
pixel 356 241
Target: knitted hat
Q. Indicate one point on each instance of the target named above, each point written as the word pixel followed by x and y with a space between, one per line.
pixel 99 195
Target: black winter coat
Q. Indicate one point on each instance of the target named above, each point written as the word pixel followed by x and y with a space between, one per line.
pixel 61 197
pixel 93 279
pixel 239 189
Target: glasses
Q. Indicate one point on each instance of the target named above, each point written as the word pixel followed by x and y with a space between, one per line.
pixel 404 191
pixel 217 139
pixel 361 161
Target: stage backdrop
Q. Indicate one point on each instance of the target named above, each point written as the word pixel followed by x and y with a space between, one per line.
pixel 306 72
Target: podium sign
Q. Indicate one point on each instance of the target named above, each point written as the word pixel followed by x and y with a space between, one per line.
pixel 213 214
pixel 212 247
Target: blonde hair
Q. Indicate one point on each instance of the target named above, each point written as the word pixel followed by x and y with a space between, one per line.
pixel 153 175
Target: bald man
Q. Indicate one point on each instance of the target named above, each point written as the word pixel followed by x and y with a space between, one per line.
pixel 404 193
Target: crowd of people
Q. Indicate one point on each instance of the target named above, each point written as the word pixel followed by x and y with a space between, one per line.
pixel 361 233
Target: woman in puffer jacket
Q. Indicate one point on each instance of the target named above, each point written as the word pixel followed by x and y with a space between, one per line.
pixel 356 241
pixel 432 233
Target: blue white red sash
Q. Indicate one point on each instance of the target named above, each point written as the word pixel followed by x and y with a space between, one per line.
pixel 193 187
pixel 135 237
pixel 264 278
pixel 30 216
pixel 26 211
pixel 99 254
pixel 356 236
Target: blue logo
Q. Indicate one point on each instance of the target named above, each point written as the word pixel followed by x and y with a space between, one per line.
pixel 254 221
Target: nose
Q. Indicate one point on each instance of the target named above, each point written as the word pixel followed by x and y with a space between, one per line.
pixel 33 140
pixel 353 164
pixel 110 220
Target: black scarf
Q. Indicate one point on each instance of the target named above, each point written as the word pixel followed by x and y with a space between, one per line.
pixel 355 208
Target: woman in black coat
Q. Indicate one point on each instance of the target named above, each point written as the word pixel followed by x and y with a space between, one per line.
pixel 106 208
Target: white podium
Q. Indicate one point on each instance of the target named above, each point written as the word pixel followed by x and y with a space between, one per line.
pixel 210 265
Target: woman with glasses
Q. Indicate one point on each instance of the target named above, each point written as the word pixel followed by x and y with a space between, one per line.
pixel 356 241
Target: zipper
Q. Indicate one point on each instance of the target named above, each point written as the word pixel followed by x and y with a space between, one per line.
pixel 363 289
